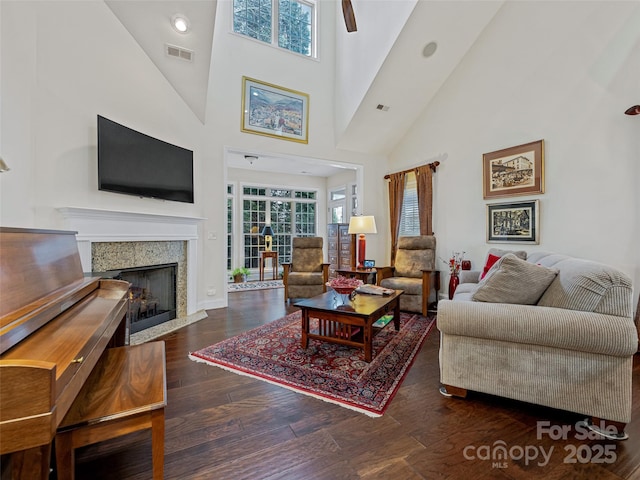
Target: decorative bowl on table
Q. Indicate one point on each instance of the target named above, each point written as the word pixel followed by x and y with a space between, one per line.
pixel 344 285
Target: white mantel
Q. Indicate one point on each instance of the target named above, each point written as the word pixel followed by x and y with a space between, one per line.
pixel 94 225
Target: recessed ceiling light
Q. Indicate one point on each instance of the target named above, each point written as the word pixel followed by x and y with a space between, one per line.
pixel 429 49
pixel 180 23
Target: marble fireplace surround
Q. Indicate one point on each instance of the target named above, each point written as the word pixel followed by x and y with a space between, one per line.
pixel 94 225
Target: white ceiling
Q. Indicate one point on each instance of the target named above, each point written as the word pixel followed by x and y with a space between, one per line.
pixel 148 23
pixel 406 82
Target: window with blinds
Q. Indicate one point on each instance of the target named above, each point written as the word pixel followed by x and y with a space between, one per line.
pixel 409 220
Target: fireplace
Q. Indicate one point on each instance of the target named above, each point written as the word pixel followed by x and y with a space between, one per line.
pixel 109 240
pixel 152 296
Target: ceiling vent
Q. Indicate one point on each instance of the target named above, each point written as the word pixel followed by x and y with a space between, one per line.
pixel 179 52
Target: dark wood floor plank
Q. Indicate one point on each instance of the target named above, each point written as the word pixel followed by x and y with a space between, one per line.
pixel 278 458
pixel 220 425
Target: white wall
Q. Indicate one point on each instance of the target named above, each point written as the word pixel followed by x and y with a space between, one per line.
pixel 560 71
pixel 74 61
pixel 236 56
pixel 65 62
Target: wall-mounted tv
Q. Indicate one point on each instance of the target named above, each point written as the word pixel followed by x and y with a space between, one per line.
pixel 133 163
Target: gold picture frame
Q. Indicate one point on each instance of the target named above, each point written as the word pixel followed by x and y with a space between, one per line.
pixel 514 171
pixel 274 111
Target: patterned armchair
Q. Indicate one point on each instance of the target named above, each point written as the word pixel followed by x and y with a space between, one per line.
pixel 306 276
pixel 414 272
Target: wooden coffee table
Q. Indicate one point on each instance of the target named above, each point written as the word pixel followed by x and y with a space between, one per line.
pixel 348 323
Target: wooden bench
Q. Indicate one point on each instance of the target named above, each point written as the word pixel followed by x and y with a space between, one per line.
pixel 125 392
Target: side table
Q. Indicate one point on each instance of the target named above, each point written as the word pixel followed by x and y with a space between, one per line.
pixel 274 263
pixel 363 274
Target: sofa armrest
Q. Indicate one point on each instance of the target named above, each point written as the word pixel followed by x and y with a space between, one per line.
pixel 535 325
pixel 469 276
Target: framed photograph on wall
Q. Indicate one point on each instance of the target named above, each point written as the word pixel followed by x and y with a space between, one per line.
pixel 274 111
pixel 514 171
pixel 517 222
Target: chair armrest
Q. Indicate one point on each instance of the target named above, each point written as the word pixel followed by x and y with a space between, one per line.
pixel 427 274
pixel 325 276
pixel 383 272
pixel 426 288
pixel 286 268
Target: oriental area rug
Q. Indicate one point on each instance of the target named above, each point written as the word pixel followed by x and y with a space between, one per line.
pixel 334 373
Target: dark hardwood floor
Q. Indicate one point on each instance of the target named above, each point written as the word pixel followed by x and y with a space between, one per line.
pixel 220 425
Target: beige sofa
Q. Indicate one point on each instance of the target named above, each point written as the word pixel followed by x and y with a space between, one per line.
pixel 571 348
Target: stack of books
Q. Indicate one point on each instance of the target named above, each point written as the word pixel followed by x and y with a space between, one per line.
pixel 383 321
pixel 374 290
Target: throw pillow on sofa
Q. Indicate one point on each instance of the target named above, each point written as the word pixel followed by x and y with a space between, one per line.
pixel 494 254
pixel 514 280
pixel 491 260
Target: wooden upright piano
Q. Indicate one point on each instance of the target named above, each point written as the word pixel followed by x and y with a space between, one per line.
pixel 55 324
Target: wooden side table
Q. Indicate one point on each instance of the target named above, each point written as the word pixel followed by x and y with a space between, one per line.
pixel 365 274
pixel 274 263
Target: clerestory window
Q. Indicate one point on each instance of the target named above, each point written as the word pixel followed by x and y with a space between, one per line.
pixel 287 24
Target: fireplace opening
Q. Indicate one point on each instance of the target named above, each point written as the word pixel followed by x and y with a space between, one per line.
pixel 152 296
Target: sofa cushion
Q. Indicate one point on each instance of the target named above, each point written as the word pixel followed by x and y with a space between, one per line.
pixel 514 281
pixel 493 255
pixel 587 286
pixel 520 325
pixel 465 291
pixel 305 278
pixel 411 286
pixel 499 252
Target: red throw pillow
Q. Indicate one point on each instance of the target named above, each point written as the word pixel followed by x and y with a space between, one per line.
pixel 491 259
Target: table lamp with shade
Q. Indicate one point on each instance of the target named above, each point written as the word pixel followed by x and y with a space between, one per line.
pixel 267 233
pixel 362 225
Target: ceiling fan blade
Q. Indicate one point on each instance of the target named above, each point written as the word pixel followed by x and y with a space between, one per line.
pixel 349 16
pixel 635 110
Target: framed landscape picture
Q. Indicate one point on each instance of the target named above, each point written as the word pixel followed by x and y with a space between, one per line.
pixel 516 222
pixel 274 111
pixel 514 171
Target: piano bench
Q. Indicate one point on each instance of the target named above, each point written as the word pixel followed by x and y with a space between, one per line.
pixel 125 392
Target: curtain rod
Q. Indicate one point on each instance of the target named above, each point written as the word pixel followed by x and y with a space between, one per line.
pixel 432 166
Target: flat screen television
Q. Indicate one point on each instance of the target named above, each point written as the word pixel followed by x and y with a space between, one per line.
pixel 133 163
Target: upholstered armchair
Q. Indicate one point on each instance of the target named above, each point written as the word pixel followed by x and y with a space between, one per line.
pixel 414 272
pixel 306 276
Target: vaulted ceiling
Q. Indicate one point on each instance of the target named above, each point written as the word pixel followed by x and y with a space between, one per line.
pixel 405 83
